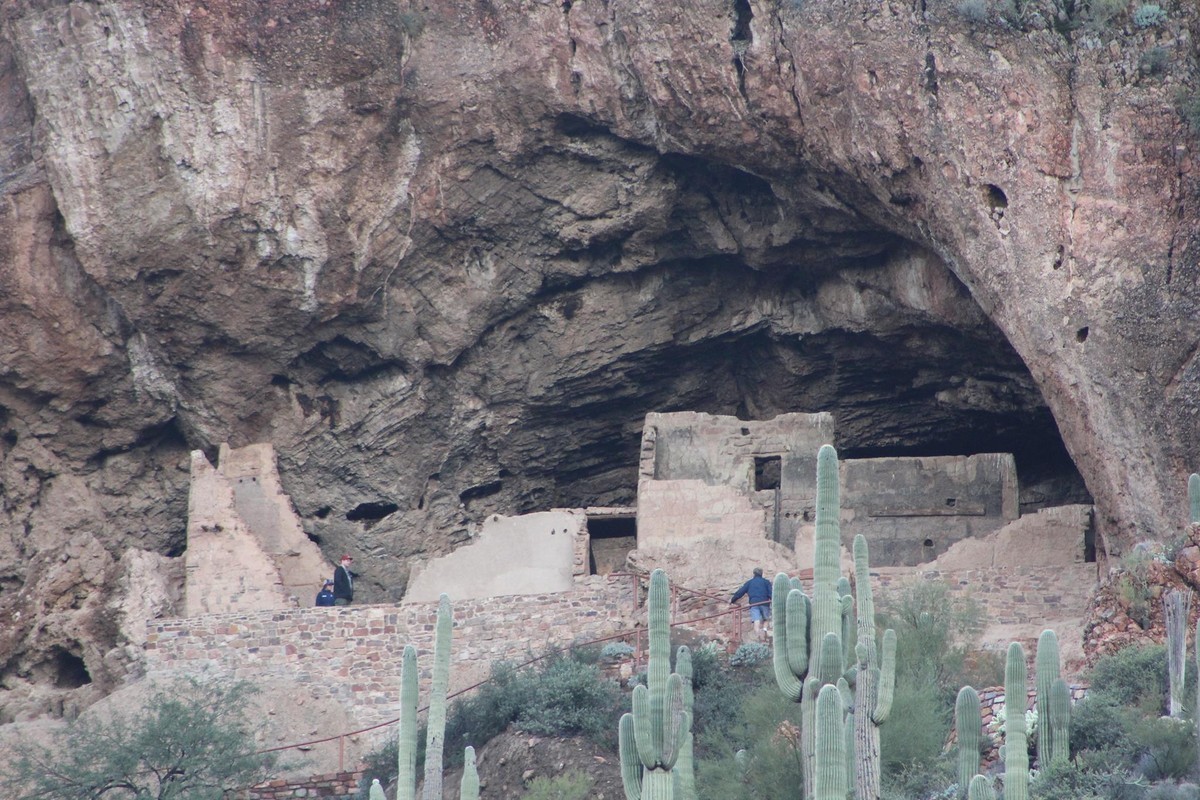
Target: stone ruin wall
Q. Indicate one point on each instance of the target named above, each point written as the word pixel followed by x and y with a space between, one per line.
pixel 696 481
pixel 353 654
pixel 247 550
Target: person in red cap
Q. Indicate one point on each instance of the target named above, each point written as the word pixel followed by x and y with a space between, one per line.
pixel 343 583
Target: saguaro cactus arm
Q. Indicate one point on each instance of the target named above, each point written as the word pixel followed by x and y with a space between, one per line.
pixel 1016 745
pixel 829 777
pixel 981 789
pixel 631 763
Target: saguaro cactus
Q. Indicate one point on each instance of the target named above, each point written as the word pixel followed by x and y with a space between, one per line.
pixel 1194 497
pixel 1176 606
pixel 1046 672
pixel 875 680
pixel 435 732
pixel 1060 721
pixel 981 789
pixel 685 770
pixel 655 730
pixel 829 778
pixel 469 787
pixel 968 724
pixel 1016 743
pixel 376 792
pixel 809 635
pixel 406 774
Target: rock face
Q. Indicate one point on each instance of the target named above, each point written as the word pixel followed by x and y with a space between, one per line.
pixel 445 256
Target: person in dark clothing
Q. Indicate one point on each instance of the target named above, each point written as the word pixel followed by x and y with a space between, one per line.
pixel 343 583
pixel 758 590
pixel 325 596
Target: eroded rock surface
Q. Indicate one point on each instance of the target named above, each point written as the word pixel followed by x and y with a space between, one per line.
pixel 446 256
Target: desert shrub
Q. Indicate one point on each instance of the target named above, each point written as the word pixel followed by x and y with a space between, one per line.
pixel 1072 781
pixel 916 731
pixel 1101 12
pixel 616 650
pixel 934 632
pixel 974 11
pixel 566 698
pixel 1166 747
pixel 707 666
pixel 1173 791
pixel 191 739
pixel 480 717
pixel 929 781
pixel 1154 61
pixel 1133 676
pixel 766 727
pixel 572 785
pixel 1149 15
pixel 1099 725
pixel 750 654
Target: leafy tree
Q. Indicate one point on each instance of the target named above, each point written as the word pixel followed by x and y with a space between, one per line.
pixel 191 741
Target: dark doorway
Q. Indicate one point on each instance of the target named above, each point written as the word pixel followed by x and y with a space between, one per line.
pixel 610 540
pixel 766 472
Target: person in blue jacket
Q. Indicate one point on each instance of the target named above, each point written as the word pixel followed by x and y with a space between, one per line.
pixel 758 589
pixel 325 596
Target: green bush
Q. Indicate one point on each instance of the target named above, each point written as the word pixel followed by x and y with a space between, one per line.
pixel 1133 676
pixel 1149 15
pixel 1099 724
pixel 1174 791
pixel 568 786
pixel 566 698
pixel 763 725
pixel 616 650
pixel 916 731
pixel 191 739
pixel 1166 748
pixel 1154 61
pixel 750 654
pixel 974 11
pixel 934 634
pixel 1101 12
pixel 1071 781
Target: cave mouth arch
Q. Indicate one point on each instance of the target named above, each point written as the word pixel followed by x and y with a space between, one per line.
pixel 759 299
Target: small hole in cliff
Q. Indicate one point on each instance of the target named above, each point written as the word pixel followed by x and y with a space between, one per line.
pixel 1081 334
pixel 741 26
pixel 994 196
pixel 482 490
pixel 951 502
pixel 323 512
pixel 927 543
pixel 371 512
pixel 66 670
pixel 280 381
pixel 314 538
pixel 1058 258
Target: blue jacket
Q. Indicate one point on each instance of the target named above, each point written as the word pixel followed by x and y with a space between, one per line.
pixel 758 588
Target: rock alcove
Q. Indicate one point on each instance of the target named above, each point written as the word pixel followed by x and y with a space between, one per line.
pixel 446 256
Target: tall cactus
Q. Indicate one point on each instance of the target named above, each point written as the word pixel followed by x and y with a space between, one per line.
pixel 1016 744
pixel 968 725
pixel 685 770
pixel 829 773
pixel 1177 605
pixel 468 789
pixel 406 773
pixel 1194 497
pixel 981 789
pixel 810 636
pixel 1046 672
pixel 655 730
pixel 1060 721
pixel 875 680
pixel 435 732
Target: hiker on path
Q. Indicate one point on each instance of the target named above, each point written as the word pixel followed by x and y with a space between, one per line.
pixel 758 589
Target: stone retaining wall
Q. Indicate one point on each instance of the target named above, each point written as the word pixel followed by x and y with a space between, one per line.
pixel 352 654
pixel 334 786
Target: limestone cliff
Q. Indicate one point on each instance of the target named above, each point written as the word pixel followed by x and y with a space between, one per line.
pixel 446 255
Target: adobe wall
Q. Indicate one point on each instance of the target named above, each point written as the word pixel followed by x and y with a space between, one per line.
pixel 705 463
pixel 913 509
pixel 246 548
pixel 529 554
